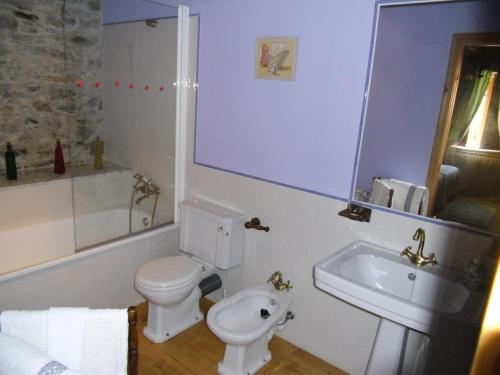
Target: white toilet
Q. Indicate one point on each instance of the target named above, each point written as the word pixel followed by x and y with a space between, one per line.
pixel 246 322
pixel 211 237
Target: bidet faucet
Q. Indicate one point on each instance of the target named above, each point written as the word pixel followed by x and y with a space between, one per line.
pixel 277 280
pixel 418 257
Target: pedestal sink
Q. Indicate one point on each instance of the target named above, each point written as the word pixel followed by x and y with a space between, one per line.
pixel 381 282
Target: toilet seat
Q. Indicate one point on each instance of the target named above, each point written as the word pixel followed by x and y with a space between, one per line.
pixel 168 273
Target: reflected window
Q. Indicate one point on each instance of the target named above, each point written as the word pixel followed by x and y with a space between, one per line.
pixel 478 123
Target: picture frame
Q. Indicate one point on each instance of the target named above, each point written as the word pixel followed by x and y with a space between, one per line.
pixel 276 58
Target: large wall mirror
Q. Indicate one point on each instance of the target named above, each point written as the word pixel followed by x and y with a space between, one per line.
pixel 430 140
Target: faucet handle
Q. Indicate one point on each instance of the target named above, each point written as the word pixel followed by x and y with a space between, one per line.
pixel 433 259
pixel 276 277
pixel 406 250
pixel 287 286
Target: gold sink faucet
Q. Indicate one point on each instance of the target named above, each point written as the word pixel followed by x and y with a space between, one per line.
pixel 418 258
pixel 277 280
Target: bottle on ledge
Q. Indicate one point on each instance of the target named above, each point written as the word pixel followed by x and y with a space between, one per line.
pixel 10 163
pixel 59 158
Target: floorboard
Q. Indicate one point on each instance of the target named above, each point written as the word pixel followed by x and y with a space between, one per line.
pixel 197 351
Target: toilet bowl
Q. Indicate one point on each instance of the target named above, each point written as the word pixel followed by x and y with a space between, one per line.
pixel 171 287
pixel 211 238
pixel 246 322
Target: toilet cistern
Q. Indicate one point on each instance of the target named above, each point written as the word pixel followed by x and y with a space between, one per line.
pixel 277 280
pixel 418 257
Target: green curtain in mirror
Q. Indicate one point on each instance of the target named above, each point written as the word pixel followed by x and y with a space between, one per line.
pixel 469 98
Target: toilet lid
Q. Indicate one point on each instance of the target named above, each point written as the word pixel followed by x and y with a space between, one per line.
pixel 168 272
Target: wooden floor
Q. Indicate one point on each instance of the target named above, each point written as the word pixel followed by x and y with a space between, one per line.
pixel 197 351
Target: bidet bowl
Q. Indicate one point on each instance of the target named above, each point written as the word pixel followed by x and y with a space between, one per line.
pixel 237 320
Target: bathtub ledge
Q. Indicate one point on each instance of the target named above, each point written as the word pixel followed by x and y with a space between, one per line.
pixel 88 252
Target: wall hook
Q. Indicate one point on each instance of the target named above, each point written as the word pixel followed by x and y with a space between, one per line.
pixel 254 223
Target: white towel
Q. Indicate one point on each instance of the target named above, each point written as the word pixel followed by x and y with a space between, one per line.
pixel 28 326
pixel 19 358
pixel 105 347
pixel 65 333
pixel 381 193
pixel 408 197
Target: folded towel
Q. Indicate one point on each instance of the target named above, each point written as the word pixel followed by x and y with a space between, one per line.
pixel 93 342
pixel 19 358
pixel 409 197
pixel 381 193
pixel 28 326
pixel 65 333
pixel 105 343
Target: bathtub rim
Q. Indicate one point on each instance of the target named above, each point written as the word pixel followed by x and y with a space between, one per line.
pixel 89 251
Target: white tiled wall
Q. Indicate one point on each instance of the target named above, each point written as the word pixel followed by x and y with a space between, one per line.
pixel 104 280
pixel 139 123
pixel 304 229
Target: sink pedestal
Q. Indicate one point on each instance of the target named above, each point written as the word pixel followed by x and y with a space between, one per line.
pixel 397 350
pixel 387 349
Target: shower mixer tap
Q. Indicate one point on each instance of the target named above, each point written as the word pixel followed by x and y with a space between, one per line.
pixel 148 188
pixel 140 184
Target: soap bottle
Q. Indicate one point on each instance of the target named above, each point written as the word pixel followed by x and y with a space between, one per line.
pixel 59 158
pixel 98 154
pixel 10 163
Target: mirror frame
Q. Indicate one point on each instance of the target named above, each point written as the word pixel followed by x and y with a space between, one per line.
pixel 379 4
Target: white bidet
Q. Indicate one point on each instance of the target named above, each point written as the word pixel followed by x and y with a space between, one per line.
pixel 246 322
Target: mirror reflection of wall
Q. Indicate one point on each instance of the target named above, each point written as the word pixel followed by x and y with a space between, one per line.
pixel 398 166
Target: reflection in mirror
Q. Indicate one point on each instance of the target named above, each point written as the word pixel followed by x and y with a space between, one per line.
pixel 430 142
pixel 107 93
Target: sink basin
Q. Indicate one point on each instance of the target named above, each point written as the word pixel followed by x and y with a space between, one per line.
pixel 382 282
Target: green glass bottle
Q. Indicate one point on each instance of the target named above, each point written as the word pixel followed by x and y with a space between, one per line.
pixel 10 163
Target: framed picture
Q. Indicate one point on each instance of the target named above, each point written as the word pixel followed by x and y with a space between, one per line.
pixel 275 58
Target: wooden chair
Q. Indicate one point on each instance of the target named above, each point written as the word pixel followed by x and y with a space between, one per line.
pixel 133 349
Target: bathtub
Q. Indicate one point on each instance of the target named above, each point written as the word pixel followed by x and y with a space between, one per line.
pixel 105 225
pixel 41 242
pixel 99 277
pixel 53 219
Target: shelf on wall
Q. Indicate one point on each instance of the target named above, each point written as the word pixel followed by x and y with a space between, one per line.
pixel 39 175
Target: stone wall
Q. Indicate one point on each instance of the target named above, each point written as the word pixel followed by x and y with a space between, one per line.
pixel 44 47
pixel 83 51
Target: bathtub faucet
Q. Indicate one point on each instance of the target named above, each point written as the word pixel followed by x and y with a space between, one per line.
pixel 140 183
pixel 147 188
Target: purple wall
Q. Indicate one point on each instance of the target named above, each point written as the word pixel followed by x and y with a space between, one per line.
pixel 411 60
pixel 301 133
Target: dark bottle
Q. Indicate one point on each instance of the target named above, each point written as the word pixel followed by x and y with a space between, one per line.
pixel 59 159
pixel 10 163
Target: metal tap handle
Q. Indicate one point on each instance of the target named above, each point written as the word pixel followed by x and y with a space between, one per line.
pixel 289 316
